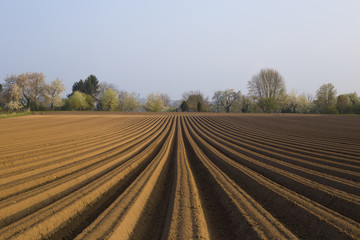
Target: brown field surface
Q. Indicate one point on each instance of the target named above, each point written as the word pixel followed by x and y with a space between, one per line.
pixel 179 176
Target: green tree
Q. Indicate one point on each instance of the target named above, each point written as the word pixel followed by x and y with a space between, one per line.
pixel 184 106
pixel 200 107
pixel 79 101
pixel 103 87
pixel 348 103
pixel 90 86
pixel 268 88
pixel 326 98
pixel 109 100
pixel 193 98
pixel 268 105
pixel 343 103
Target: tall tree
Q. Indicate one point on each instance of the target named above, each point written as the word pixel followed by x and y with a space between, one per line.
pixel 325 98
pixel 90 86
pixel 78 86
pixel 184 106
pixel 53 93
pixel 268 87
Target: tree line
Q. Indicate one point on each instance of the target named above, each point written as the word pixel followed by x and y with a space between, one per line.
pixel 266 93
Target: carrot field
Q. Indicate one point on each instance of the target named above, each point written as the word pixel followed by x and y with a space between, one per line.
pixel 179 176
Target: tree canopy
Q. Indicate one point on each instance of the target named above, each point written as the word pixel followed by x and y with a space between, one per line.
pixel 223 100
pixel 326 98
pixel 128 101
pixel 90 86
pixel 268 88
pixel 53 93
pixel 80 101
pixel 154 103
pixel 109 100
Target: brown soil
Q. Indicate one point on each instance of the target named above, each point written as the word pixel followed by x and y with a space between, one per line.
pixel 179 176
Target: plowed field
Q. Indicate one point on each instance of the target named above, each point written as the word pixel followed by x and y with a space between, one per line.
pixel 179 176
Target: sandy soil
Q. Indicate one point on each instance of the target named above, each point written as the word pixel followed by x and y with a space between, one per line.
pixel 179 176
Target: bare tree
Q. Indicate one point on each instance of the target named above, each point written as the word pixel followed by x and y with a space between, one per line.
pixel 268 87
pixel 165 98
pixel 103 86
pixel 223 100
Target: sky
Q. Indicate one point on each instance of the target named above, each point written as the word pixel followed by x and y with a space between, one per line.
pixel 177 46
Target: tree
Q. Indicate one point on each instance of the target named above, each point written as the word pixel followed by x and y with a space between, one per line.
pixel 103 87
pixel 31 86
pixel 109 100
pixel 2 98
pixel 268 87
pixel 79 101
pixel 355 103
pixel 348 103
pixel 200 107
pixel 14 98
pixel 184 106
pixel 166 99
pixel 154 103
pixel 53 93
pixel 128 101
pixel 343 103
pixel 223 100
pixel 303 104
pixel 193 98
pixel 90 86
pixel 78 86
pixel 325 98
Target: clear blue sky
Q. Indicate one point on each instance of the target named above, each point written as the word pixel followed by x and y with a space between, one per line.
pixel 176 46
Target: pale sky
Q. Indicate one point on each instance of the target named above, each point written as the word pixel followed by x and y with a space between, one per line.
pixel 176 46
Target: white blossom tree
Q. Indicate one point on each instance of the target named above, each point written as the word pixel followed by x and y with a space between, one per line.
pixel 53 93
pixel 128 101
pixel 154 103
